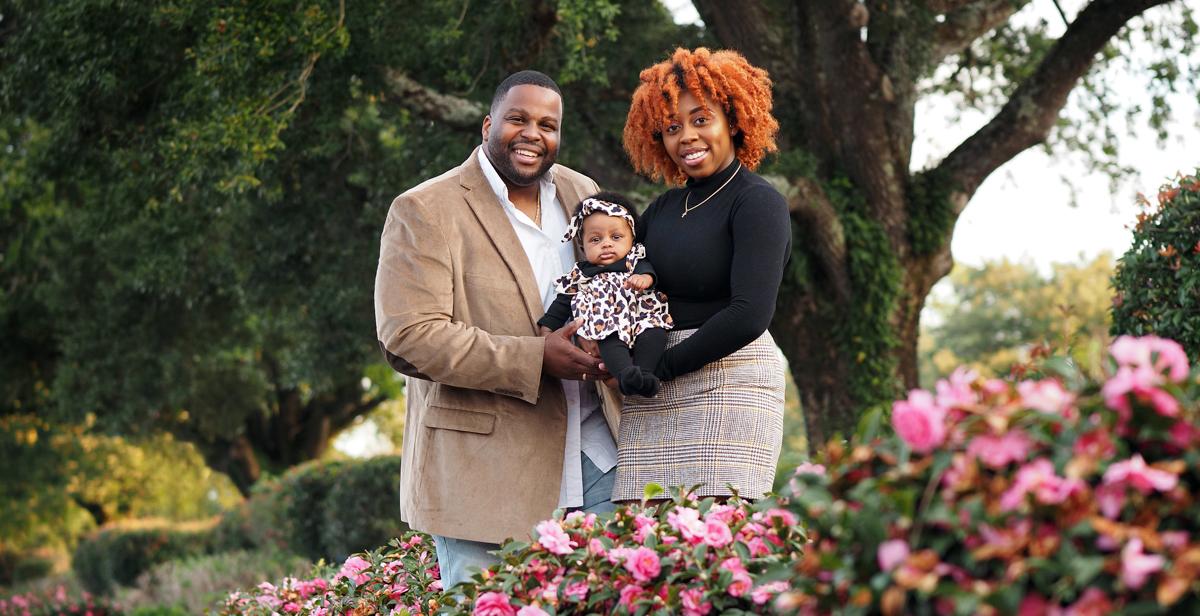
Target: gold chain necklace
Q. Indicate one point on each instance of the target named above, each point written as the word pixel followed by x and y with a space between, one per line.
pixel 687 209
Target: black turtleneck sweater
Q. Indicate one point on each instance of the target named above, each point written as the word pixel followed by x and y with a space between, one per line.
pixel 720 266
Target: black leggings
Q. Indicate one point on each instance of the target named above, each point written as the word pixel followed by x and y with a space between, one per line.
pixel 649 347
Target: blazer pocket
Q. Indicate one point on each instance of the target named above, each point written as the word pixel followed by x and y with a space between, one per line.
pixel 460 420
pixel 499 282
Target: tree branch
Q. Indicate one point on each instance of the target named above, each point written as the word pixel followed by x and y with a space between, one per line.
pixel 1027 117
pixel 428 103
pixel 818 221
pixel 968 23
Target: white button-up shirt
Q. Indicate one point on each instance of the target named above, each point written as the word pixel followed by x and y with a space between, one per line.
pixel 550 258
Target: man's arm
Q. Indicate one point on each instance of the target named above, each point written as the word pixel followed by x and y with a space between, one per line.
pixel 414 296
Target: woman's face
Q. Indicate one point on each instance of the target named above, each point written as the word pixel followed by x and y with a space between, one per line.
pixel 606 239
pixel 699 138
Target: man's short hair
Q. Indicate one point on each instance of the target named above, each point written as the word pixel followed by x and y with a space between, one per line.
pixel 523 78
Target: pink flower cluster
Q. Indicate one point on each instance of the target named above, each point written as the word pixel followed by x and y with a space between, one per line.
pixel 56 601
pixel 1144 366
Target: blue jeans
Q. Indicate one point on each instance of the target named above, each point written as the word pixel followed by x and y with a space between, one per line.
pixel 459 558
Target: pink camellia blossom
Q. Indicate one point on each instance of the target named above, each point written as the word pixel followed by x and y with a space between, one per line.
pixel 532 610
pixel 725 513
pixel 1039 478
pixel 1175 539
pixel 1143 364
pixel 919 421
pixel 494 604
pixel 1160 354
pixel 999 451
pixel 629 594
pixel 552 537
pixel 1046 395
pixel 353 569
pixel 1136 565
pixel 891 553
pixel 1095 444
pixel 955 391
pixel 687 522
pixel 717 533
pixel 694 603
pixel 576 591
pixel 1134 472
pixel 1110 498
pixel 1093 602
pixel 643 564
pixel 644 527
pixel 741 578
pixel 595 546
pixel 761 594
pixel 808 468
pixel 1037 605
pixel 1183 435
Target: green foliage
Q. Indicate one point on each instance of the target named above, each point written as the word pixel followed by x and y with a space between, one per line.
pixel 117 555
pixel 320 510
pixel 930 212
pixel 195 584
pixel 1158 279
pixel 997 315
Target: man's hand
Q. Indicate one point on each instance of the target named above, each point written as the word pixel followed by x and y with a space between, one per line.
pixel 641 282
pixel 563 360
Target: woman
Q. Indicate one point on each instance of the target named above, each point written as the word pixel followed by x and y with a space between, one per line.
pixel 719 244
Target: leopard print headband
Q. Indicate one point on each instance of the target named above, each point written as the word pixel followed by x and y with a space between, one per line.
pixel 592 206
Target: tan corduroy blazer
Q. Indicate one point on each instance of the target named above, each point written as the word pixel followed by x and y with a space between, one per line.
pixel 456 310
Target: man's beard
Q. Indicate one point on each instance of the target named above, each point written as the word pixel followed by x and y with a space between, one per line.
pixel 500 156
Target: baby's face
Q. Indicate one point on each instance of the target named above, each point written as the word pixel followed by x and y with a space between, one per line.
pixel 606 239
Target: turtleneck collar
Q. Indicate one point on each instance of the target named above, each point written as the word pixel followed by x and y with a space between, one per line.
pixel 704 186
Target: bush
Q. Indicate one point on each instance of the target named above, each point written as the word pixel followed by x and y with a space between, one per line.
pixel 117 555
pixel 1068 491
pixel 194 585
pixel 1158 279
pixel 320 510
pixel 683 556
pixel 54 603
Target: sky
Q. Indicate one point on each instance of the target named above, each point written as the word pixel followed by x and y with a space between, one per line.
pixel 1024 210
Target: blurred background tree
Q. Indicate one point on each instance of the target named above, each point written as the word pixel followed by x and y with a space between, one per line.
pixel 995 315
pixel 1158 278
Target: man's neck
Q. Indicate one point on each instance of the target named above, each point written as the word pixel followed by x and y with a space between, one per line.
pixel 523 196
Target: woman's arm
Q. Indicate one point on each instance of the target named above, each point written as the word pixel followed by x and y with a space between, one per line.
pixel 761 229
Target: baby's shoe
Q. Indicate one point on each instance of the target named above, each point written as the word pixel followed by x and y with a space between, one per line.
pixel 637 382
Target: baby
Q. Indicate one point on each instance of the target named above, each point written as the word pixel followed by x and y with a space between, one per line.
pixel 610 292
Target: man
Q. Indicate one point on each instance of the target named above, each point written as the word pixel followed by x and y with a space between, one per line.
pixel 499 431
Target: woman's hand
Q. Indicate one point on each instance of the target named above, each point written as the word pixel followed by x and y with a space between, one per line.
pixel 641 282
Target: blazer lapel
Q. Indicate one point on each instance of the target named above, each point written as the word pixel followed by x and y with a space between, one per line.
pixel 499 230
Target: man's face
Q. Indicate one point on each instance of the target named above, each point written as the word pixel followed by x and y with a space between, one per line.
pixel 520 136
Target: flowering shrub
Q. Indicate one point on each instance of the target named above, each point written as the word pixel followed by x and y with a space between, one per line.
pixel 684 556
pixel 52 603
pixel 680 557
pixel 1064 494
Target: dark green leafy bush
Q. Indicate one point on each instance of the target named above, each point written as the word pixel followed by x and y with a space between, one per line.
pixel 117 555
pixel 1157 281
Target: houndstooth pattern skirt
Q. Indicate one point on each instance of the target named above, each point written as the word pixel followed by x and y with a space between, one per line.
pixel 719 426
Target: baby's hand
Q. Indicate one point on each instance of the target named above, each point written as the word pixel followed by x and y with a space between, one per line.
pixel 641 282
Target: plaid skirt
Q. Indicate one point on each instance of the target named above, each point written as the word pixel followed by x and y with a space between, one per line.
pixel 720 426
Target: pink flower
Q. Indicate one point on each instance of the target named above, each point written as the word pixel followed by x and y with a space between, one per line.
pixel 1038 477
pixel 1110 498
pixel 741 578
pixel 717 533
pixel 576 591
pixel 552 537
pixel 494 604
pixel 808 468
pixel 595 546
pixel 725 513
pixel 643 564
pixel 1135 473
pixel 1137 566
pixel 1141 364
pixel 761 594
pixel 1093 602
pixel 352 569
pixel 532 610
pixel 687 522
pixel 891 553
pixel 998 451
pixel 919 421
pixel 1037 605
pixel 955 391
pixel 1047 396
pixel 629 594
pixel 1095 444
pixel 644 526
pixel 694 603
pixel 1161 354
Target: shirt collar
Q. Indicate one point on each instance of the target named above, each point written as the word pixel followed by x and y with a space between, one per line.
pixel 548 190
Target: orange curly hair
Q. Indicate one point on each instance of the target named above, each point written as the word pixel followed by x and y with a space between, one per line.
pixel 724 77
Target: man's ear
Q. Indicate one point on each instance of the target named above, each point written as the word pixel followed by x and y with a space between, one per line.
pixel 487 126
